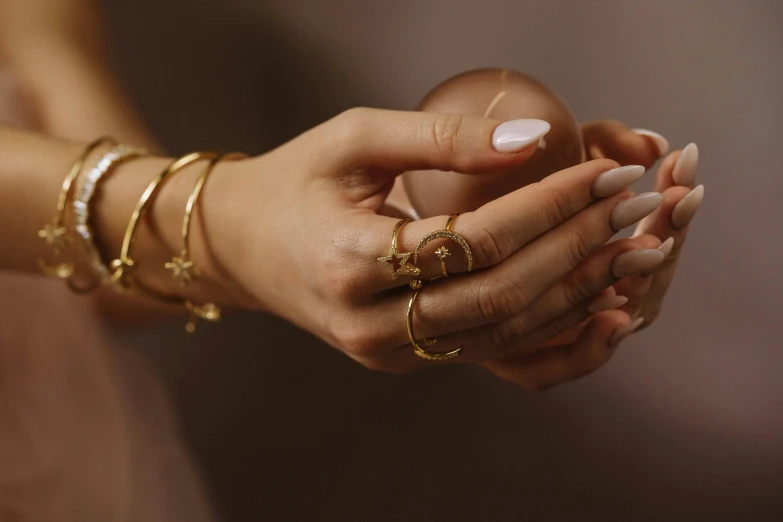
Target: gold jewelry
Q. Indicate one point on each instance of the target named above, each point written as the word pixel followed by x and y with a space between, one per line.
pixel 443 252
pixel 419 350
pixel 124 267
pixel 182 266
pixel 417 285
pixel 396 261
pixel 55 234
pixel 82 205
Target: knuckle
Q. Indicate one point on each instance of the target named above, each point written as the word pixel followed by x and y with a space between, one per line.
pixel 578 247
pixel 446 132
pixel 500 299
pixel 578 289
pixel 351 123
pixel 553 205
pixel 508 333
pixel 335 283
pixel 491 243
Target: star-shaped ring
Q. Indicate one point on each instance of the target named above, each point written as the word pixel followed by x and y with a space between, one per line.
pixel 398 262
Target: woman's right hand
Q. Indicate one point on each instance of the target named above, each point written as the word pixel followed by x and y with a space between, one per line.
pixel 299 229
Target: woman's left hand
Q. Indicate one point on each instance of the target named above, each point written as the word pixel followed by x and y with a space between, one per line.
pixel 675 179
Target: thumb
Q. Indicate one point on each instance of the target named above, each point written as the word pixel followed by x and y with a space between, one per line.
pixel 398 141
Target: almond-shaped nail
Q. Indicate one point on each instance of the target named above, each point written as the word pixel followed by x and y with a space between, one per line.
pixel 666 247
pixel 686 209
pixel 624 331
pixel 684 172
pixel 515 135
pixel 661 143
pixel 615 180
pixel 629 211
pixel 635 262
pixel 606 302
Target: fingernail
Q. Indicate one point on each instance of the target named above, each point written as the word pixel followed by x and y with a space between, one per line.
pixel 615 180
pixel 629 211
pixel 515 135
pixel 636 262
pixel 684 172
pixel 624 331
pixel 666 247
pixel 606 302
pixel 660 142
pixel 686 209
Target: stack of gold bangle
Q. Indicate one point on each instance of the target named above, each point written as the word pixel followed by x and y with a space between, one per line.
pixel 122 273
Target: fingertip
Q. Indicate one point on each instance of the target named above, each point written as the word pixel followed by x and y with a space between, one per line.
pixel 661 143
pixel 514 136
pixel 624 331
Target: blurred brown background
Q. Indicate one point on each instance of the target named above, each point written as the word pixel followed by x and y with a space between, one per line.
pixel 685 424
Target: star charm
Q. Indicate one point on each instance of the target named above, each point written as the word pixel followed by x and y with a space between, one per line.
pixel 442 253
pixel 56 236
pixel 183 268
pixel 397 263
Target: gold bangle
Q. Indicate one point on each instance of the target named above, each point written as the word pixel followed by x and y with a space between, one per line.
pixel 419 350
pixel 86 188
pixel 182 266
pixel 124 267
pixel 55 234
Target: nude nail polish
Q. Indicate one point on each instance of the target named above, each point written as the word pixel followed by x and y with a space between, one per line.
pixel 635 262
pixel 515 135
pixel 606 302
pixel 666 247
pixel 615 180
pixel 624 331
pixel 629 211
pixel 686 209
pixel 684 172
pixel 661 143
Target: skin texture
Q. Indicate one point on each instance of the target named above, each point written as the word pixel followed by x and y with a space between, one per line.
pixel 84 431
pixel 332 284
pixel 504 95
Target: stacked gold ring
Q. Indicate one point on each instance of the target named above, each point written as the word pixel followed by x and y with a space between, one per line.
pixel 406 268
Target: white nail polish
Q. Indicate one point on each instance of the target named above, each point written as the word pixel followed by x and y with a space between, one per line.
pixel 684 172
pixel 515 135
pixel 666 247
pixel 606 302
pixel 660 142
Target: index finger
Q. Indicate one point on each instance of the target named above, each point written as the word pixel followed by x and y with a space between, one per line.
pixel 498 229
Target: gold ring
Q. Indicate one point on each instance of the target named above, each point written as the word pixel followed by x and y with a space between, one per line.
pixel 419 350
pixel 396 261
pixel 443 252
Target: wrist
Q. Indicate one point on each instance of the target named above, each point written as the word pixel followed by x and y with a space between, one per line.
pixel 159 238
pixel 210 234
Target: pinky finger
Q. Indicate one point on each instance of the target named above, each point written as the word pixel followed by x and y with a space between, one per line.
pixel 552 366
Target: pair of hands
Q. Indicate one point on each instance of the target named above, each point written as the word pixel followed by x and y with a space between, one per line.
pixel 549 299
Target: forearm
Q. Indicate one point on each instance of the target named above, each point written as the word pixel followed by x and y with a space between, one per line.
pixel 32 169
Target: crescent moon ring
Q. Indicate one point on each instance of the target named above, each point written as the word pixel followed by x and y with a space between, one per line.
pixel 446 234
